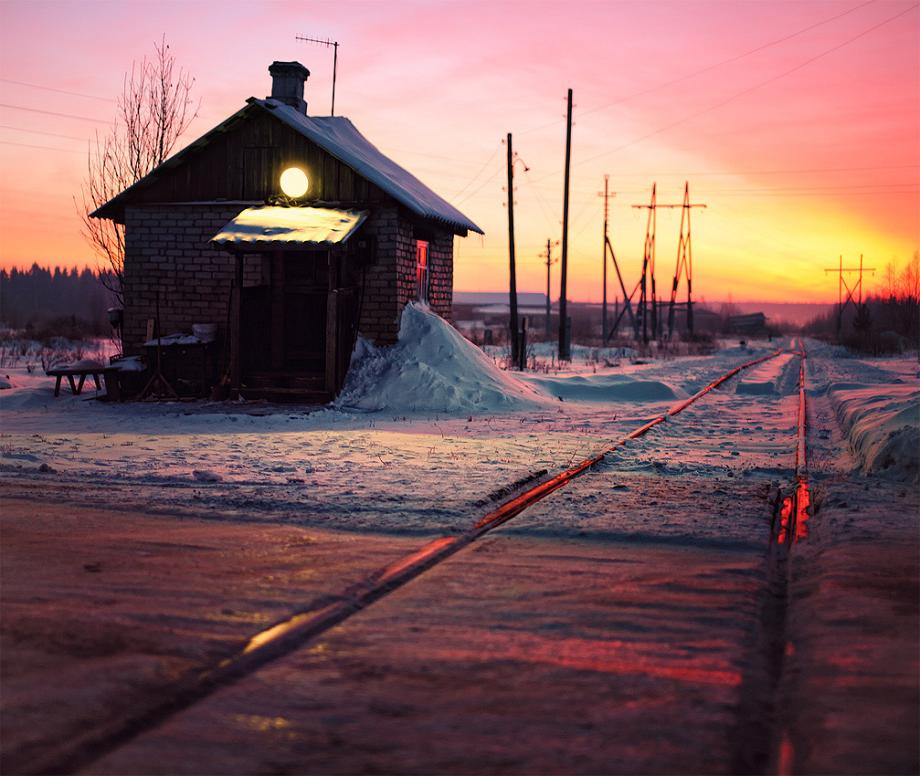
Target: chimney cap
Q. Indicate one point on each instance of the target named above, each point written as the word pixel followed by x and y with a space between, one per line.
pixel 277 68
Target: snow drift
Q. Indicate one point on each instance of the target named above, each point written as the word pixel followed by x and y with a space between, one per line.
pixel 432 368
pixel 882 423
pixel 606 388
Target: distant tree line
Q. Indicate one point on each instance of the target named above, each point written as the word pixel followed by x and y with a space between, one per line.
pixel 59 301
pixel 887 321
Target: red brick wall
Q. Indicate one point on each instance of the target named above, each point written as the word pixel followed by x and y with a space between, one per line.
pixel 390 283
pixel 441 274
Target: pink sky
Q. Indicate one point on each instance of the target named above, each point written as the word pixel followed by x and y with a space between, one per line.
pixel 798 161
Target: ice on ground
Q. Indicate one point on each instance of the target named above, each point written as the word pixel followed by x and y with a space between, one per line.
pixel 882 423
pixel 432 368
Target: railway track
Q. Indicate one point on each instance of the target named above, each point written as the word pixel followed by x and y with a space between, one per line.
pixel 792 510
pixel 300 628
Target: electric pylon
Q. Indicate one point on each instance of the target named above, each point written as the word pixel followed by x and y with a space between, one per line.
pixel 855 291
pixel 684 266
pixel 647 278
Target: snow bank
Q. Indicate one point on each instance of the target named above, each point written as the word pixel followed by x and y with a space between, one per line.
pixel 882 423
pixel 767 388
pixel 432 368
pixel 606 388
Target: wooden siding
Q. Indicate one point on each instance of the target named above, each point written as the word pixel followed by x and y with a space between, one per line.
pixel 245 161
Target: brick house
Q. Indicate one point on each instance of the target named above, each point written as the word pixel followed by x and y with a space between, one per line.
pixel 289 275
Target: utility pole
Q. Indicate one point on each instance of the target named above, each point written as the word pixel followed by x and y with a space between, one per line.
pixel 334 44
pixel 511 268
pixel 606 195
pixel 684 262
pixel 549 263
pixel 627 299
pixel 648 268
pixel 852 294
pixel 564 352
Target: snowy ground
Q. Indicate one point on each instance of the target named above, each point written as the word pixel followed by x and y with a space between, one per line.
pixel 644 588
pixel 399 468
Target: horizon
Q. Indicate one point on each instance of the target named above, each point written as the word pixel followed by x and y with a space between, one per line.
pixel 794 124
pixel 702 300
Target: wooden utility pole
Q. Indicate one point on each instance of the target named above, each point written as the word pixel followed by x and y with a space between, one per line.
pixel 564 352
pixel 606 195
pixel 513 323
pixel 549 263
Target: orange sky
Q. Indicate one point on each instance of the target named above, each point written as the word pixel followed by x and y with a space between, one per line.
pixel 795 122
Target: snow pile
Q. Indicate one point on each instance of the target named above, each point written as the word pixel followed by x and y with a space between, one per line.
pixel 432 368
pixel 882 423
pixel 606 388
pixel 756 388
pixel 5 383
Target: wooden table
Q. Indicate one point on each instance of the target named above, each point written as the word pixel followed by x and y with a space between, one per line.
pixel 82 372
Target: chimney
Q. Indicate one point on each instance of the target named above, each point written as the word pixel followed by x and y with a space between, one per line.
pixel 287 83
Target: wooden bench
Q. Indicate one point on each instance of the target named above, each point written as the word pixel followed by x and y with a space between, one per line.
pixel 82 372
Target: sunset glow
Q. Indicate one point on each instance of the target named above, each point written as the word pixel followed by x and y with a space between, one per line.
pixel 795 123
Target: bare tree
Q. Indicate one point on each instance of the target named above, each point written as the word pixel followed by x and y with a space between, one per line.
pixel 155 107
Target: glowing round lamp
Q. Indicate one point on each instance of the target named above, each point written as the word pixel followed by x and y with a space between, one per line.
pixel 294 182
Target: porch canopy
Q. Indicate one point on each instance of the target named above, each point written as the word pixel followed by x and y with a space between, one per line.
pixel 276 227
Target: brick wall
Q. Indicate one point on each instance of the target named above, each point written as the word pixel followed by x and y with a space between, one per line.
pixel 378 305
pixel 441 274
pixel 166 248
pixel 390 283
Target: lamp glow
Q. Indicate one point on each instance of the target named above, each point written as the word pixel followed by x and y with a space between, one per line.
pixel 294 182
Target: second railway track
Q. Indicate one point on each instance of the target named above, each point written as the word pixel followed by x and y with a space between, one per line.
pixel 300 628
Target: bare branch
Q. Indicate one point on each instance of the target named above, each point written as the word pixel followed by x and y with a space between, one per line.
pixel 153 110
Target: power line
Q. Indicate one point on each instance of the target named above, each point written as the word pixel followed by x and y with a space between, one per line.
pixel 480 187
pixel 52 113
pixel 706 69
pixel 750 89
pixel 731 59
pixel 54 89
pixel 43 148
pixel 478 172
pixel 41 132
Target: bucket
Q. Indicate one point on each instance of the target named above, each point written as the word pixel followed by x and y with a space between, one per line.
pixel 206 332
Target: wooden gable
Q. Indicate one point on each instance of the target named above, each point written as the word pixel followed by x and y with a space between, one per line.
pixel 243 161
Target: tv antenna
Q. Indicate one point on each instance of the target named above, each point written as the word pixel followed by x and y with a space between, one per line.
pixel 328 43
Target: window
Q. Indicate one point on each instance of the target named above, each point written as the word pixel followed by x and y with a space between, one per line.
pixel 421 270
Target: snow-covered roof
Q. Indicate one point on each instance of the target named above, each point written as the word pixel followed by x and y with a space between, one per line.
pixel 337 136
pixel 279 226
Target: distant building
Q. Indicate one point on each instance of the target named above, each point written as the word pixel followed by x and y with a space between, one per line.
pixel 752 323
pixel 289 278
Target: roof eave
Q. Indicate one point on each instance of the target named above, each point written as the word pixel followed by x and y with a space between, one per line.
pixel 114 208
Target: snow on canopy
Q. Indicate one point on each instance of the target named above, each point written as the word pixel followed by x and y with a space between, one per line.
pixel 286 225
pixel 432 368
pixel 337 136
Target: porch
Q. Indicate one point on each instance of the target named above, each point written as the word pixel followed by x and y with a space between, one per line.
pixel 294 303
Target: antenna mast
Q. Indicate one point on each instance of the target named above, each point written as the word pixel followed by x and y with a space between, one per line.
pixel 334 44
